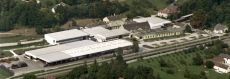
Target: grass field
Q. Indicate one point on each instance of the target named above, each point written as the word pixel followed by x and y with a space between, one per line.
pixel 158 4
pixel 18 38
pixel 5 54
pixel 4 74
pixel 179 62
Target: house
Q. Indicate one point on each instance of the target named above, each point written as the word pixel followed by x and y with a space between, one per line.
pixel 168 11
pixel 101 34
pixel 220 29
pixel 222 63
pixel 154 22
pixel 114 18
pixel 114 22
pixel 65 36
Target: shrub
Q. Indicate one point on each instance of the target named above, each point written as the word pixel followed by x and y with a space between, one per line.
pixel 209 64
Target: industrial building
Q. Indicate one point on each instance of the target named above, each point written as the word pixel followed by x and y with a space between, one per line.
pixel 101 34
pixel 76 50
pixel 65 36
pixel 154 22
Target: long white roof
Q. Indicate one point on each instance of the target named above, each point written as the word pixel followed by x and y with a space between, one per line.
pixel 68 34
pixel 105 33
pixel 75 49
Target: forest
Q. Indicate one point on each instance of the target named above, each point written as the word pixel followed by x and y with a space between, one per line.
pixel 207 13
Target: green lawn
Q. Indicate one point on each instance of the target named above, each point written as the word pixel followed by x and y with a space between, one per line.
pixel 18 38
pixel 4 74
pixel 158 4
pixel 178 66
pixel 5 54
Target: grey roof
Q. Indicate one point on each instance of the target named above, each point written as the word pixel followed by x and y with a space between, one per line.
pixel 220 27
pixel 75 49
pixel 136 26
pixel 100 31
pixel 53 53
pixel 68 34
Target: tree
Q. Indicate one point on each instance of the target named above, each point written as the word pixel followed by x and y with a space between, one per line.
pixel 163 63
pixel 39 30
pixel 188 29
pixel 187 73
pixel 29 76
pixel 198 60
pixel 78 72
pixel 104 71
pixel 135 45
pixel 198 19
pixel 143 72
pixel 209 64
pixel 93 69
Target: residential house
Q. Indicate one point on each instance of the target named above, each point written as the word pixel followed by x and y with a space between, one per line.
pixel 168 11
pixel 220 29
pixel 114 18
pixel 114 22
pixel 222 63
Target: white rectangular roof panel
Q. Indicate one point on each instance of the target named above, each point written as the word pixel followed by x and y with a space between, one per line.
pixel 68 34
pixel 95 48
pixel 51 54
pixel 105 33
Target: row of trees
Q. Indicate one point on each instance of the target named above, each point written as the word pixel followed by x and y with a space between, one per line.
pixel 116 69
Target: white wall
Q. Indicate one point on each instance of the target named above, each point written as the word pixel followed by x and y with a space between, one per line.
pixel 221 70
pixel 50 40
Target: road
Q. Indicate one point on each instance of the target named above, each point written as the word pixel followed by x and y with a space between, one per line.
pixel 133 56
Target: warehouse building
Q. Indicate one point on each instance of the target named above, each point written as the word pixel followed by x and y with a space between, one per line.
pixel 65 36
pixel 101 34
pixel 76 50
pixel 154 22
